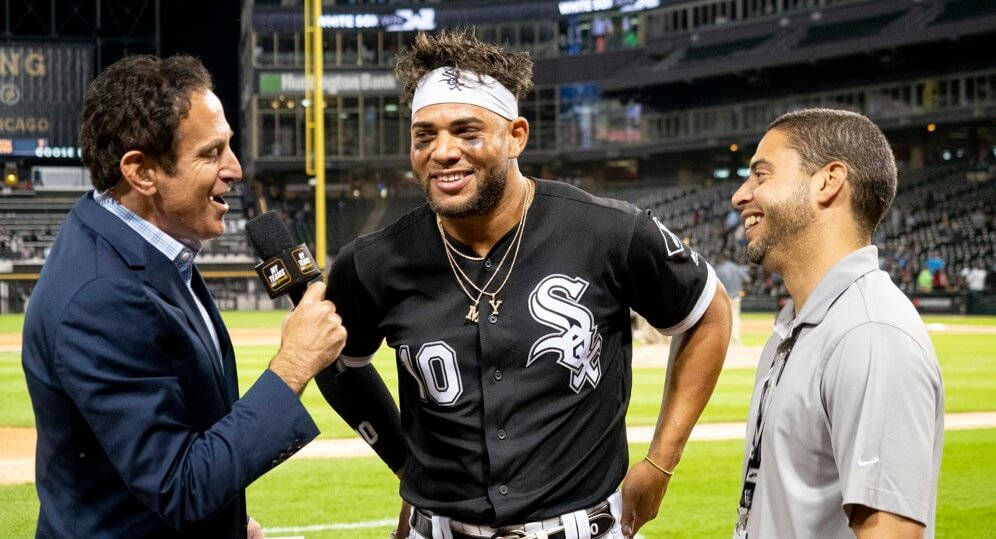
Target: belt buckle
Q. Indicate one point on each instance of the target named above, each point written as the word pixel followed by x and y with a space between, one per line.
pixel 509 534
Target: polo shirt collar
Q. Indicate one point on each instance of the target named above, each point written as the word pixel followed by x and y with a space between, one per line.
pixel 840 277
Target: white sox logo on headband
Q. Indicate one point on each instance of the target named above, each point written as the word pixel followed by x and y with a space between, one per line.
pixel 452 77
pixel 453 85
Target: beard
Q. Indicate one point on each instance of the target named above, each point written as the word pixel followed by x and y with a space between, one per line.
pixel 489 191
pixel 783 221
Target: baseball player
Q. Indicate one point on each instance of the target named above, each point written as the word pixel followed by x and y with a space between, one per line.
pixel 507 300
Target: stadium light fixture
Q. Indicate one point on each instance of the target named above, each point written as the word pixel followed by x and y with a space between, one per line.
pixel 931 127
pixel 734 147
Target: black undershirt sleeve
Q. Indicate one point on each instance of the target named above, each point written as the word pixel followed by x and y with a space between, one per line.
pixel 358 393
pixel 360 396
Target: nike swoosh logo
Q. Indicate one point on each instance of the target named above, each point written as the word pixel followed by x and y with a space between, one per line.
pixel 862 462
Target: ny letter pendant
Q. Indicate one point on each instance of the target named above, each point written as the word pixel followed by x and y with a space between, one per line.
pixel 495 305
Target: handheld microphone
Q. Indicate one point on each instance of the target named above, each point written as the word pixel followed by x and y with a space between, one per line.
pixel 285 268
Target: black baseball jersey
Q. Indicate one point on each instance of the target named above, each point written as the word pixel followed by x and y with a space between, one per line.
pixel 521 416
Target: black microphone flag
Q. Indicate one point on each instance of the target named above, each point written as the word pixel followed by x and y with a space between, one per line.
pixel 285 268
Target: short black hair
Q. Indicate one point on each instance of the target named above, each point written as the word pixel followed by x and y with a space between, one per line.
pixel 822 136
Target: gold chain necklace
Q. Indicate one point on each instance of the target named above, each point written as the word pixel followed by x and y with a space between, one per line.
pixel 458 269
pixel 472 313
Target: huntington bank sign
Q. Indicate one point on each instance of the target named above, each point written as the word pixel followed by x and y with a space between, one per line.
pixel 41 88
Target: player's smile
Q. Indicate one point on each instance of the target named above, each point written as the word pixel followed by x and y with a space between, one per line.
pixel 451 181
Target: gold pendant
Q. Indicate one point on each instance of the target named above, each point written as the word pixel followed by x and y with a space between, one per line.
pixel 495 304
pixel 472 314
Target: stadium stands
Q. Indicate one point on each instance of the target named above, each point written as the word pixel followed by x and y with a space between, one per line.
pixel 31 221
pixel 943 211
pixel 849 29
pixel 937 210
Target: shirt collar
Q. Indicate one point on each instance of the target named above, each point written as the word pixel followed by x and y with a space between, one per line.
pixel 840 277
pixel 180 252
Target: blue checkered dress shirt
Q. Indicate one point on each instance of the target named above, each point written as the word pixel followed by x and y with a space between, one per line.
pixel 181 252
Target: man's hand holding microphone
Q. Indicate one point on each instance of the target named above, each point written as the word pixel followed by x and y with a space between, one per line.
pixel 311 339
pixel 312 336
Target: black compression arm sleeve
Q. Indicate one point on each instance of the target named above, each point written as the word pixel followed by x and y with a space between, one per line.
pixel 360 396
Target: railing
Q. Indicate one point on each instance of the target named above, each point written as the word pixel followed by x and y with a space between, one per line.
pixel 607 126
pixel 610 124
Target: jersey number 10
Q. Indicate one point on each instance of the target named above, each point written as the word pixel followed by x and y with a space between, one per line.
pixel 435 371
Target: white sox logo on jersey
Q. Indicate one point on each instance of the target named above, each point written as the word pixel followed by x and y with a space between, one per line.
pixel 555 302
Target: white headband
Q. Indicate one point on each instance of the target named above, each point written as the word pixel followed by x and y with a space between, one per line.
pixel 449 85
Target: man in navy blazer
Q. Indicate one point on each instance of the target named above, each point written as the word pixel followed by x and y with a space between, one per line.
pixel 141 431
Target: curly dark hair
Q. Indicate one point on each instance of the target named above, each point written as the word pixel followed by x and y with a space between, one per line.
pixel 137 104
pixel 461 49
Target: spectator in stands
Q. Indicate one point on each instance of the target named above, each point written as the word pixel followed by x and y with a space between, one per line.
pixel 630 37
pixel 733 276
pixel 601 27
pixel 910 222
pixel 978 219
pixel 975 277
pixel 925 280
pixel 935 263
pixel 16 246
pixel 944 234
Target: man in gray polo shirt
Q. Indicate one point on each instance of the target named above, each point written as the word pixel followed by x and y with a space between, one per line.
pixel 845 429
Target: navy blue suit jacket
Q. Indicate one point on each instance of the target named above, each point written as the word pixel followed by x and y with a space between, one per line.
pixel 140 429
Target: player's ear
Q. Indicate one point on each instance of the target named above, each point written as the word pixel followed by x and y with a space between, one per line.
pixel 830 182
pixel 519 136
pixel 138 171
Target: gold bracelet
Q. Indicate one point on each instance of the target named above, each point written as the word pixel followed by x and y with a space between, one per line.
pixel 659 467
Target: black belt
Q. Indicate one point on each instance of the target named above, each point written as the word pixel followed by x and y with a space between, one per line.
pixel 600 520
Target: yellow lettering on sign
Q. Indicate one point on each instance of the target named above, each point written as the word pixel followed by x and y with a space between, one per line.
pixel 34 64
pixel 32 60
pixel 19 124
pixel 10 62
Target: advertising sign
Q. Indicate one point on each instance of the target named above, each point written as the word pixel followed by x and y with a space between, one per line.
pixel 344 82
pixel 41 89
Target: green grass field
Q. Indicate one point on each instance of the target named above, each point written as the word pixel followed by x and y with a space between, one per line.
pixel 701 502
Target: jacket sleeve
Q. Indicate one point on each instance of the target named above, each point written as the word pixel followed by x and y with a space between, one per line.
pixel 116 358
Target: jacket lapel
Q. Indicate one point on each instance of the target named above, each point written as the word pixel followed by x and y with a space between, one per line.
pixel 160 274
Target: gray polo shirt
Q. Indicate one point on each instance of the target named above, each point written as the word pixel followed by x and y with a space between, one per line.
pixel 857 417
